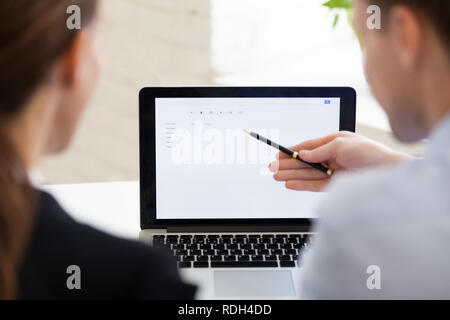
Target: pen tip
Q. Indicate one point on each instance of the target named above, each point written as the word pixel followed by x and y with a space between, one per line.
pixel 246 131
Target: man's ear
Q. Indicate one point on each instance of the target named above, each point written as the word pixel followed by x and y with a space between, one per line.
pixel 72 57
pixel 406 34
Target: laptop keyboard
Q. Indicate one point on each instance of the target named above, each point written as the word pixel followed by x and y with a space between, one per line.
pixel 234 250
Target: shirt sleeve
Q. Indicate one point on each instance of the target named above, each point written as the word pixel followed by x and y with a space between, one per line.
pixel 331 269
pixel 345 248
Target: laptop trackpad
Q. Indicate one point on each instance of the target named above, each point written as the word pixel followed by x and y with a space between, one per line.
pixel 257 283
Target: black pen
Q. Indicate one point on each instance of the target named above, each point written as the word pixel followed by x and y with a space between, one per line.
pixel 289 152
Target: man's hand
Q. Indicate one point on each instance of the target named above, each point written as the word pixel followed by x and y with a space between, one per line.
pixel 343 151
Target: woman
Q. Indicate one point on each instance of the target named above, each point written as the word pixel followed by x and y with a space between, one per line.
pixel 47 75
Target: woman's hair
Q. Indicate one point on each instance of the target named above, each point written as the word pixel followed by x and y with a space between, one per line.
pixel 33 35
pixel 436 11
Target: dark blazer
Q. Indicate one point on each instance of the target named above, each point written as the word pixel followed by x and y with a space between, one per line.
pixel 111 268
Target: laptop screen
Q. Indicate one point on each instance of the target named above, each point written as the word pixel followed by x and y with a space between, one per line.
pixel 208 168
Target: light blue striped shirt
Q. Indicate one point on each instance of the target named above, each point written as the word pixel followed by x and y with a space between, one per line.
pixel 396 219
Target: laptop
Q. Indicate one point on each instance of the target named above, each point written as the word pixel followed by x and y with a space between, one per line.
pixel 207 195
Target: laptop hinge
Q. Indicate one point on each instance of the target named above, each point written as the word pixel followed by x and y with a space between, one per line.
pixel 240 228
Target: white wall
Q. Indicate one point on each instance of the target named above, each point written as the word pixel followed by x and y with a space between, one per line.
pixel 204 42
pixel 141 43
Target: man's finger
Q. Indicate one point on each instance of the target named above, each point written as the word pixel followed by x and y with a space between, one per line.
pixel 287 164
pixel 300 174
pixel 306 185
pixel 309 145
pixel 323 153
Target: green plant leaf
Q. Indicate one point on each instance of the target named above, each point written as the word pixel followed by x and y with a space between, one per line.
pixel 338 4
pixel 343 6
pixel 336 20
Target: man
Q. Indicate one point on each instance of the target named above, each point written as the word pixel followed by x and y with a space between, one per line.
pixel 385 232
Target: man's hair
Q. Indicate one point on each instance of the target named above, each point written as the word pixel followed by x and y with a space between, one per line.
pixel 436 11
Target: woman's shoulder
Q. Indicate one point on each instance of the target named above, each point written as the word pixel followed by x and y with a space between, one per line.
pixel 54 223
pixel 110 267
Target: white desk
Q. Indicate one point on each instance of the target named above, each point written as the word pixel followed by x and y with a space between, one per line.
pixel 112 207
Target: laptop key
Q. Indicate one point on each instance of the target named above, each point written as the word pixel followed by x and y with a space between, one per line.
pixel 209 252
pixel 158 241
pixel 202 258
pixel 285 258
pixel 244 258
pixel 181 252
pixel 192 246
pixel 201 264
pixel 298 245
pixel 246 252
pixel 222 252
pixel 295 235
pixel 271 258
pixel 188 258
pixel 195 252
pixel 244 264
pixel 277 252
pixel 206 246
pixel 257 258
pixel 287 264
pixel 264 252
pixel 184 264
pixel 230 258
pixel 237 252
pixel 216 258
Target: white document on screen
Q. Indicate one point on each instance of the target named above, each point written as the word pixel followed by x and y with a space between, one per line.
pixel 208 168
